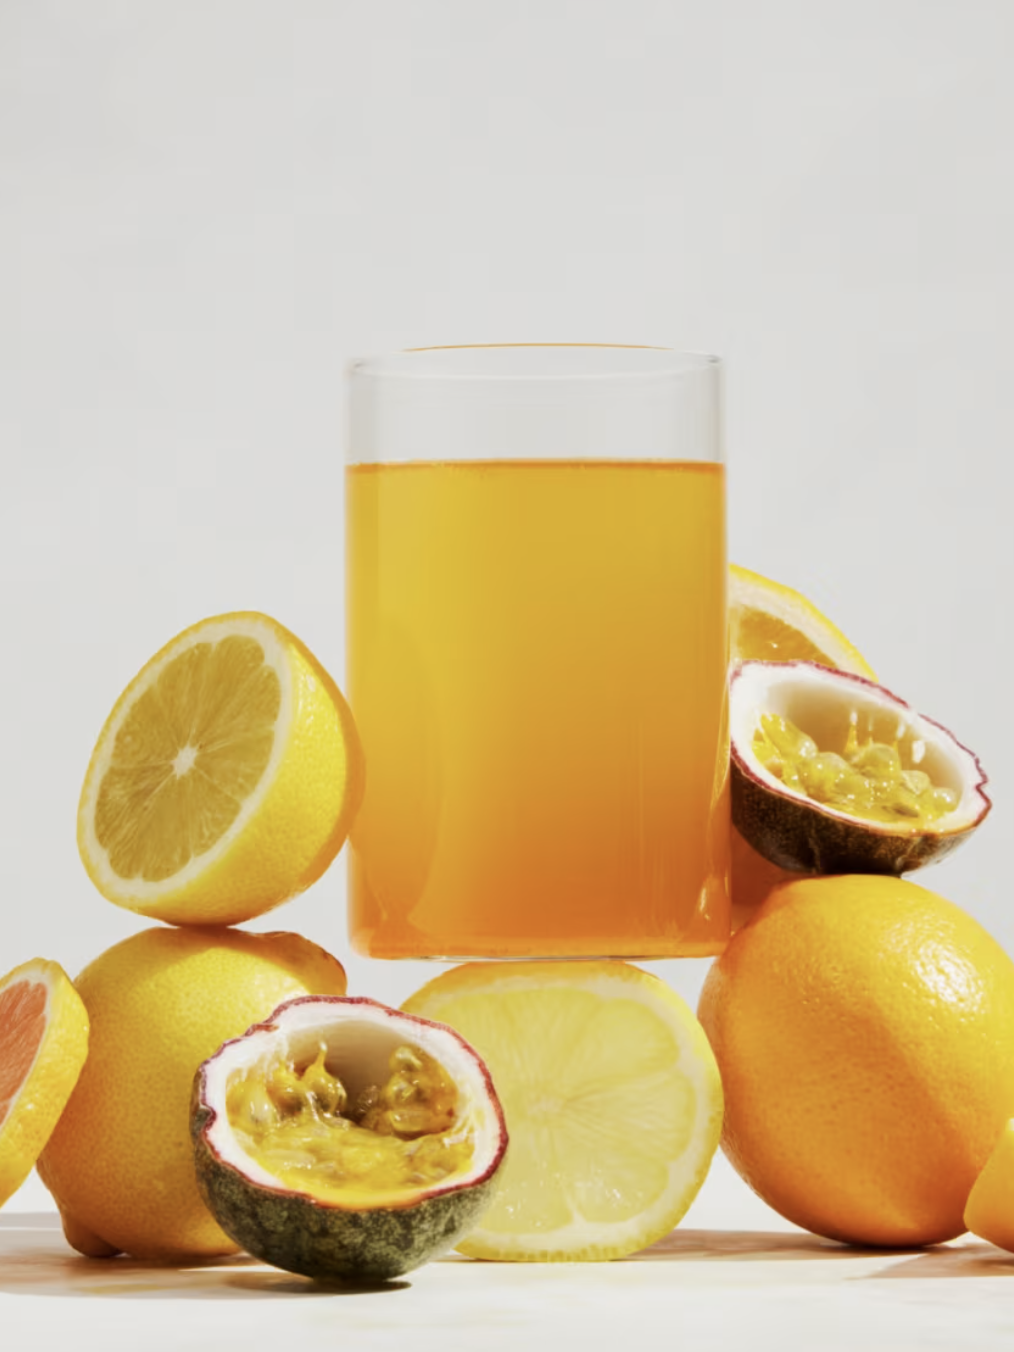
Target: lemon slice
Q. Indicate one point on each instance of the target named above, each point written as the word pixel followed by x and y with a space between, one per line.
pixel 225 779
pixel 611 1096
pixel 772 623
pixel 43 1045
pixel 989 1211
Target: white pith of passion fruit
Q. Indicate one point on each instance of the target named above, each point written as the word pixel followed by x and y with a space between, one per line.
pixel 362 1231
pixel 788 827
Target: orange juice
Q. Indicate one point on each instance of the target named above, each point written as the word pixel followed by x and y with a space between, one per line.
pixel 537 667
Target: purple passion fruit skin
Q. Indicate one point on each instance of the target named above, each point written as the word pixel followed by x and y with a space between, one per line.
pixel 367 1238
pixel 796 832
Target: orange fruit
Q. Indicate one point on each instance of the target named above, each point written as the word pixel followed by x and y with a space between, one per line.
pixel 989 1211
pixel 120 1163
pixel 769 622
pixel 225 779
pixel 43 1045
pixel 751 878
pixel 864 1029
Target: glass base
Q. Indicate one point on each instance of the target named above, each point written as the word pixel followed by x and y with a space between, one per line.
pixel 650 953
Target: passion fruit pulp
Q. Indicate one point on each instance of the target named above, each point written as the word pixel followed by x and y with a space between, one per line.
pixel 346 1141
pixel 865 778
pixel 303 1126
pixel 832 773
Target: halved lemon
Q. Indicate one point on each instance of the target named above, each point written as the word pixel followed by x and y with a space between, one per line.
pixel 225 779
pixel 612 1100
pixel 43 1045
pixel 772 623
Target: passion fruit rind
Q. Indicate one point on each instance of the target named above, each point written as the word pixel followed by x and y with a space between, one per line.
pixel 802 835
pixel 294 1232
pixel 807 838
pixel 325 1238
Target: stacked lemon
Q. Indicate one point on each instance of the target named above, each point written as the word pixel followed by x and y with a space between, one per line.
pixel 225 778
pixel 223 784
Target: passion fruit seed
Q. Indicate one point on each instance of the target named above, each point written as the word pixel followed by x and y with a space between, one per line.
pixel 297 1122
pixel 418 1100
pixel 867 780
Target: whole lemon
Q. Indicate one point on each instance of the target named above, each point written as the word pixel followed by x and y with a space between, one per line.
pixel 120 1162
pixel 864 1030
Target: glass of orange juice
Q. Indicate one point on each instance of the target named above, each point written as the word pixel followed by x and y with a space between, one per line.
pixel 536 647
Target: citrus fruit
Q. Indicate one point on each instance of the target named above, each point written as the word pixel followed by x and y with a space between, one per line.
pixel 225 779
pixel 120 1162
pixel 863 1027
pixel 989 1211
pixel 43 1045
pixel 751 878
pixel 343 1140
pixel 611 1096
pixel 772 623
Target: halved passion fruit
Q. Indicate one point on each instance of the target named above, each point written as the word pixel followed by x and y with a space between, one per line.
pixel 345 1140
pixel 832 773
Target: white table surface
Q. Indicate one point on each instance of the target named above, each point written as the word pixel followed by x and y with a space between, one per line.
pixel 733 1275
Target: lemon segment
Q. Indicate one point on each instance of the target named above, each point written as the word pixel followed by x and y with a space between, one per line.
pixel 769 622
pixel 225 779
pixel 611 1096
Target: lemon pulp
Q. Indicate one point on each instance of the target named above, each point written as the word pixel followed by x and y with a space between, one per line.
pixel 867 779
pixel 303 1128
pixel 189 753
pixel 773 623
pixel 769 639
pixel 574 1118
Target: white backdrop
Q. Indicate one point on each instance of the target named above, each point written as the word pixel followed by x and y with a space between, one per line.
pixel 207 208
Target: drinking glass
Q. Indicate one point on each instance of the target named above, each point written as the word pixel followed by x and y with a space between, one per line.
pixel 537 651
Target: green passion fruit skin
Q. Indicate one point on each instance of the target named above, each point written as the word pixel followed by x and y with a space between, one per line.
pixel 371 1234
pixel 788 827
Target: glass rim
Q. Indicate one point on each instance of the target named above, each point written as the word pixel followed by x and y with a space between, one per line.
pixel 671 362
